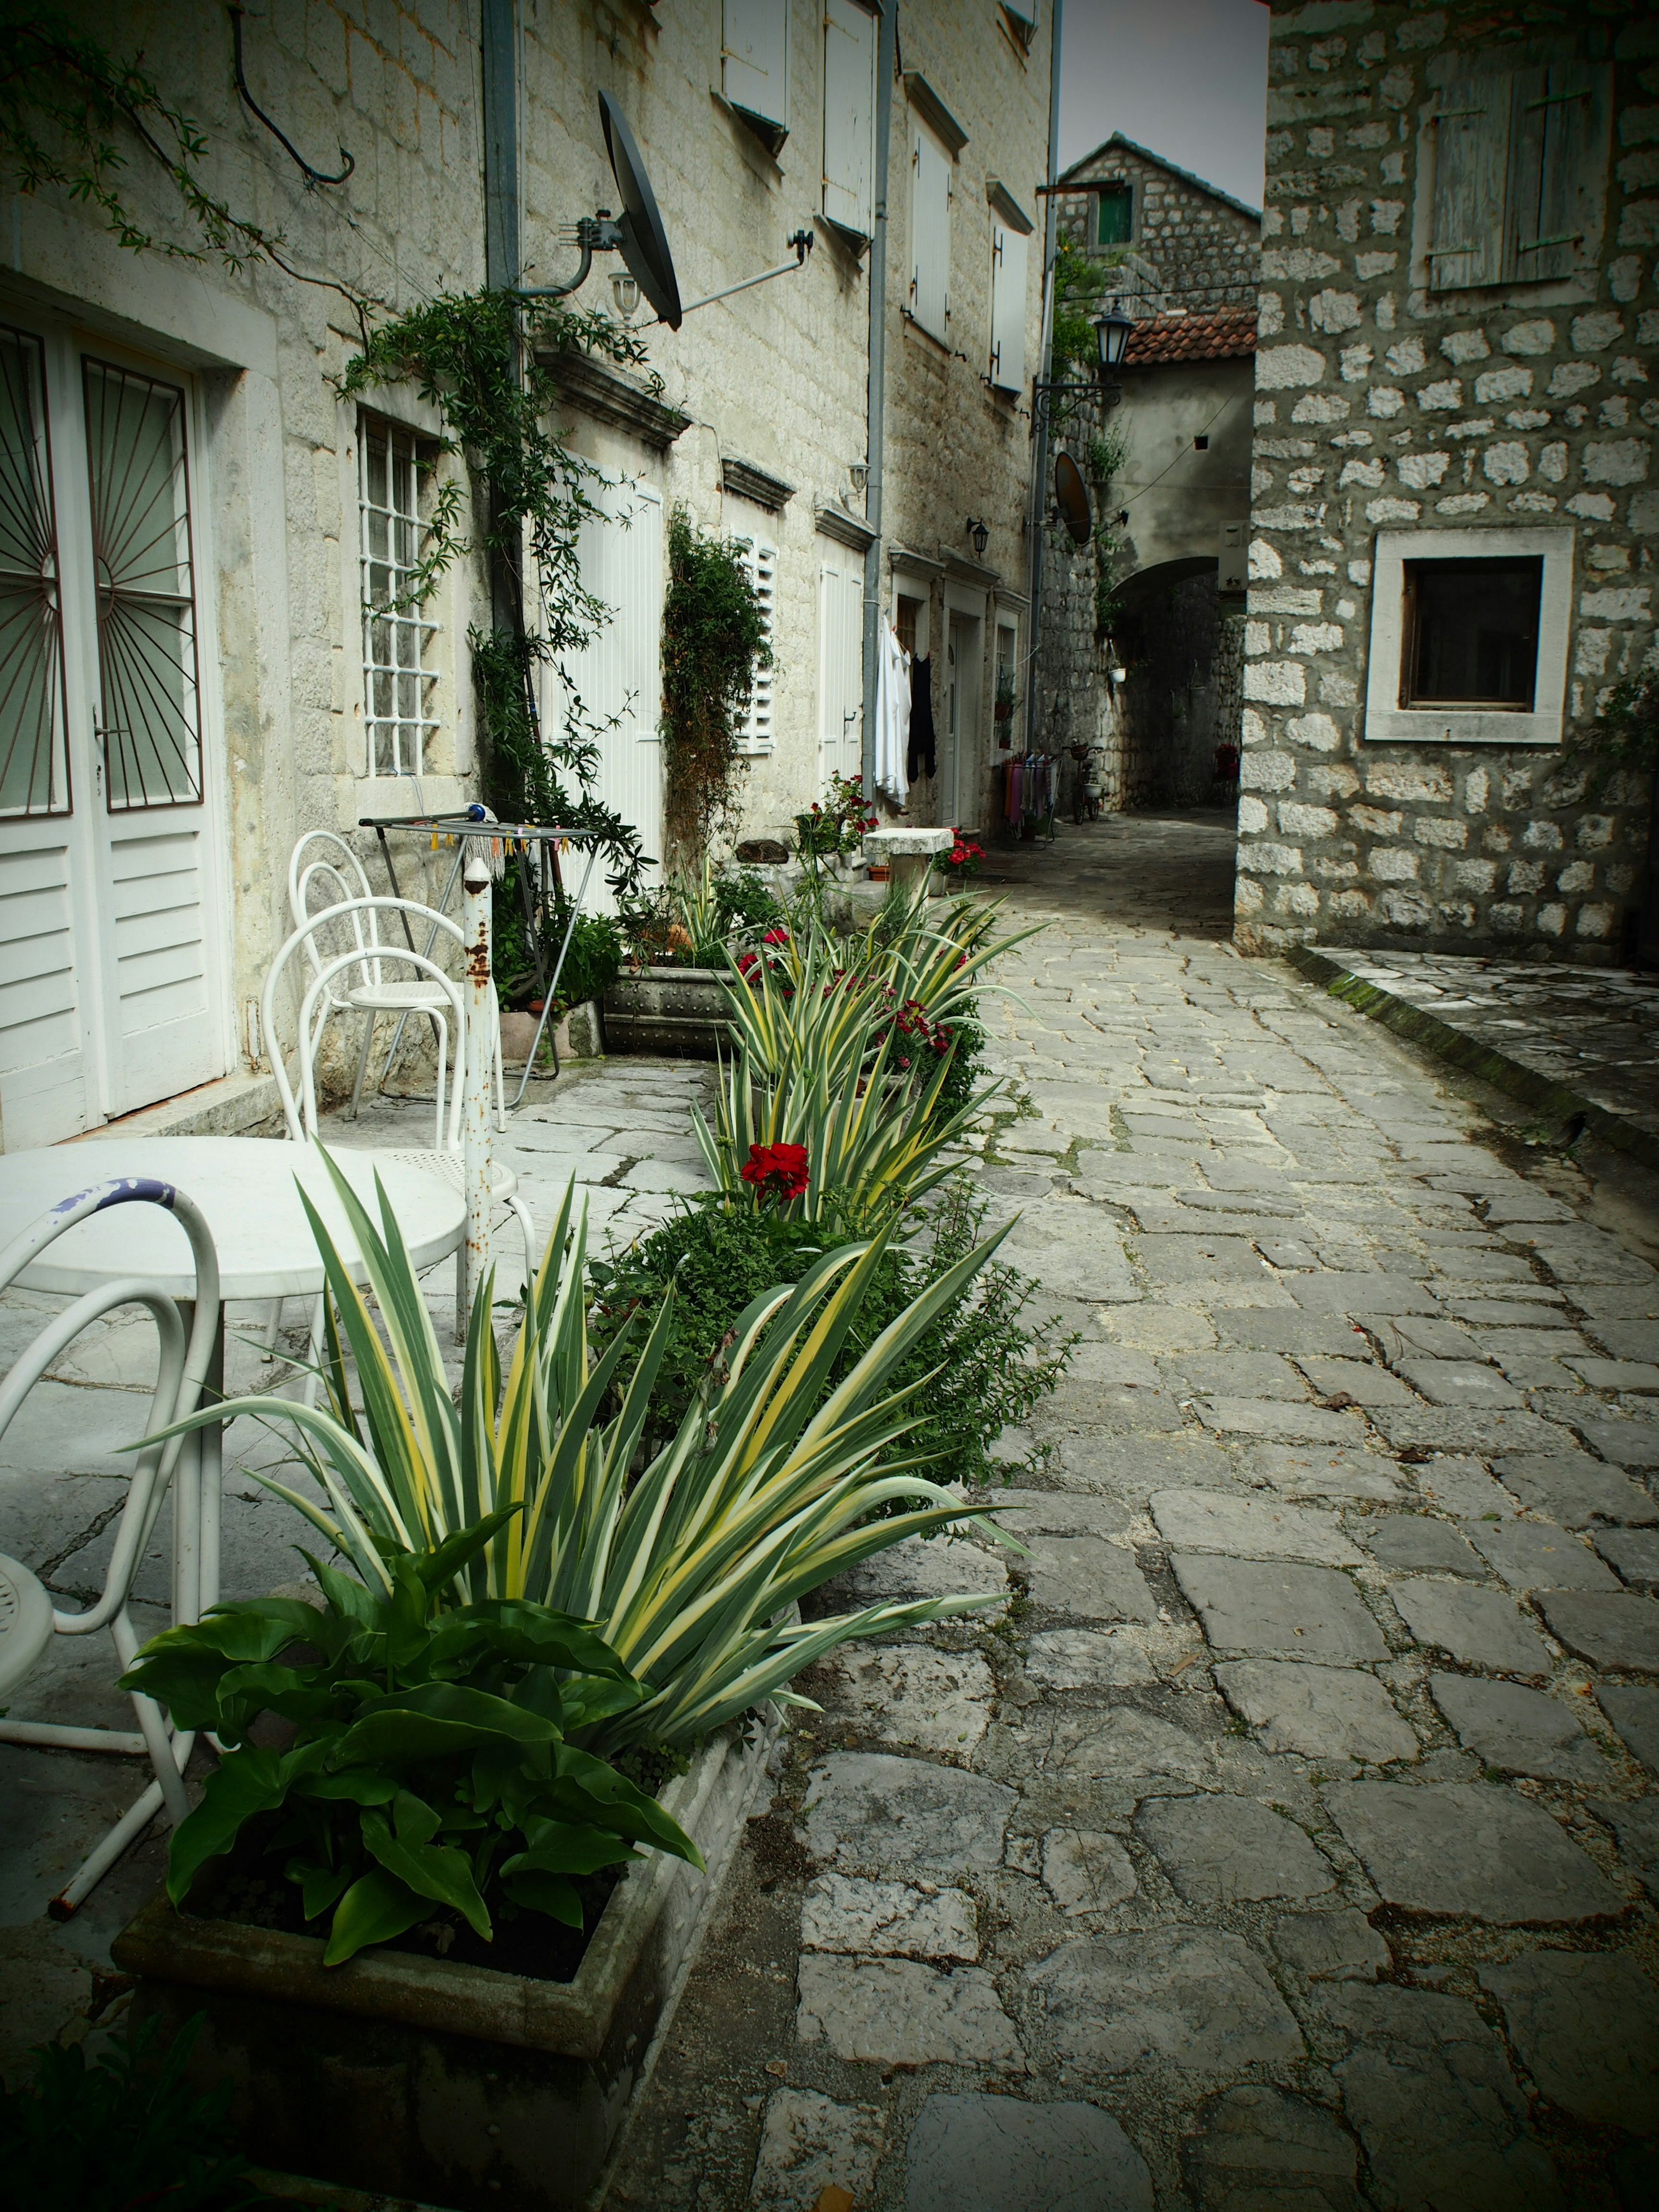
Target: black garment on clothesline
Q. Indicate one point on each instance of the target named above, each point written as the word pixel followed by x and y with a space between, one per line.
pixel 922 748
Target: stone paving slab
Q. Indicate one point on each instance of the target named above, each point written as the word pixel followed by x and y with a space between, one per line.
pixel 1633 1710
pixel 1192 1998
pixel 1322 1712
pixel 1618 1632
pixel 1532 1555
pixel 904 1816
pixel 1226 1850
pixel 899 2012
pixel 1519 1731
pixel 1278 1611
pixel 1251 1527
pixel 1479 1627
pixel 1256 2147
pixel 1587 2028
pixel 1043 2157
pixel 1470 1851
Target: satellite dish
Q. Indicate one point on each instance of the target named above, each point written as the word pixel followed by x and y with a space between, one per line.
pixel 1071 498
pixel 644 242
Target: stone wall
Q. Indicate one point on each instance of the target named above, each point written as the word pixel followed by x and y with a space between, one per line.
pixel 1203 245
pixel 1382 403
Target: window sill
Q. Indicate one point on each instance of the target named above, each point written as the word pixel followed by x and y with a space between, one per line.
pixel 1460 725
pixel 922 332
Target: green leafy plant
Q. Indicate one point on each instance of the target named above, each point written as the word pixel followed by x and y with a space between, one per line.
pixel 67 106
pixel 982 1364
pixel 1106 450
pixel 744 903
pixel 120 2132
pixel 715 639
pixel 432 1763
pixel 828 832
pixel 688 1569
pixel 1081 282
pixel 594 960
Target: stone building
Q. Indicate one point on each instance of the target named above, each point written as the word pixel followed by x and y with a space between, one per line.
pixel 1453 523
pixel 1157 592
pixel 140 905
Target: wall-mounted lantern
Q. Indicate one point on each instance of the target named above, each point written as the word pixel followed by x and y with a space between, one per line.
pixel 981 534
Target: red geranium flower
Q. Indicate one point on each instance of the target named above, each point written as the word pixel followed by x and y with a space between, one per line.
pixel 775 937
pixel 778 1168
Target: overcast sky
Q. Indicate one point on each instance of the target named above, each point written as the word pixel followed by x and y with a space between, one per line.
pixel 1186 78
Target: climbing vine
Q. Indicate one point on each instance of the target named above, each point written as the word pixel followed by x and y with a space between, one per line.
pixel 70 113
pixel 482 360
pixel 714 642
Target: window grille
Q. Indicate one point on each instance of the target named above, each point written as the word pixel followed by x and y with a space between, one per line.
pixel 400 681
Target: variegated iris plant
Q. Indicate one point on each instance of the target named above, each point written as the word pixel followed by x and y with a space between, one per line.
pixel 821 1058
pixel 689 1570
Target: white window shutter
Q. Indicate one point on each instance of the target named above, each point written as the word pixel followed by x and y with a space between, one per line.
pixel 755 58
pixel 1007 309
pixel 930 232
pixel 761 560
pixel 849 107
pixel 1025 10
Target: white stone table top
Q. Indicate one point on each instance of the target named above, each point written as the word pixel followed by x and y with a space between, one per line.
pixel 900 844
pixel 245 1186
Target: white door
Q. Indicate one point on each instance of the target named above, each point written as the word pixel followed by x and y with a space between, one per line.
pixel 112 994
pixel 841 668
pixel 617 676
pixel 959 759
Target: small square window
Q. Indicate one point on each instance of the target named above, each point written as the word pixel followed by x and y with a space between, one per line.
pixel 1113 211
pixel 1470 630
pixel 1470 634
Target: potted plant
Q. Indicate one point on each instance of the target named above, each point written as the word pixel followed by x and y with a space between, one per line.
pixel 671 995
pixel 509 1574
pixel 961 863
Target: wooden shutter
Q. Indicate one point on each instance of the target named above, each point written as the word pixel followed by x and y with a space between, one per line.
pixel 617 674
pixel 755 58
pixel 841 668
pixel 1472 131
pixel 1007 309
pixel 761 560
pixel 849 107
pixel 930 231
pixel 1556 119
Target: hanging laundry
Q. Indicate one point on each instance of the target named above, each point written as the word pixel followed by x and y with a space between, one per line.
pixel 892 715
pixel 921 753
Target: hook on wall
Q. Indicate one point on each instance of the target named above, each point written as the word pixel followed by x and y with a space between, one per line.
pixel 313 177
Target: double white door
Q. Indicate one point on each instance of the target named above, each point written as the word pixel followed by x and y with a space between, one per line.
pixel 112 993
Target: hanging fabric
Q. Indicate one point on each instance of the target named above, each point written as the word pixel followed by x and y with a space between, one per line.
pixel 892 715
pixel 922 752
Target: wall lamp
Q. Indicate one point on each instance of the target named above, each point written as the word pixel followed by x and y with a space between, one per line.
pixel 1112 329
pixel 981 534
pixel 858 471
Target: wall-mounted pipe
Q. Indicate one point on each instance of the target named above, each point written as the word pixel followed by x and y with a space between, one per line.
pixel 875 437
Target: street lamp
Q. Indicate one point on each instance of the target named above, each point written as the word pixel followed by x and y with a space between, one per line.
pixel 1112 335
pixel 980 533
pixel 1112 330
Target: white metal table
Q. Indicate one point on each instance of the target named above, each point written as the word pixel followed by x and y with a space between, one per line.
pixel 247 1188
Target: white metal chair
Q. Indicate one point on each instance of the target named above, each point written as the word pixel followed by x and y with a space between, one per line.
pixel 29 1618
pixel 447 1007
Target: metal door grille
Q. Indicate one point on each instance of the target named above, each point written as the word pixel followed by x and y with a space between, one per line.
pixel 151 723
pixel 397 680
pixel 34 765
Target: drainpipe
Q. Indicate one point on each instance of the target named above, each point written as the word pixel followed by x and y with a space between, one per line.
pixel 875 438
pixel 1040 472
pixel 498 38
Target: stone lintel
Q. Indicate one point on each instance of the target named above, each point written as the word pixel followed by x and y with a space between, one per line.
pixel 608 396
pixel 747 482
pixel 839 523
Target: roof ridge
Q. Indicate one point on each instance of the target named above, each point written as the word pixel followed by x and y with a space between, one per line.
pixel 1161 161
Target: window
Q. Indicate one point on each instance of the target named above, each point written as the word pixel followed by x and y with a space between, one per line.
pixel 1520 164
pixel 1007 696
pixel 761 560
pixel 905 611
pixel 1114 215
pixel 1023 19
pixel 849 107
pixel 930 231
pixel 1468 642
pixel 33 767
pixel 1470 633
pixel 1009 228
pixel 399 677
pixel 755 65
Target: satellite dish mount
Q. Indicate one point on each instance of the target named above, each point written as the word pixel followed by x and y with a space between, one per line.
pixel 638 234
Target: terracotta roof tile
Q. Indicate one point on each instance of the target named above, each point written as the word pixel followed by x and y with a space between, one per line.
pixel 1212 334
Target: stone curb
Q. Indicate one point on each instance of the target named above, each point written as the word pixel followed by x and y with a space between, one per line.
pixel 1504 1074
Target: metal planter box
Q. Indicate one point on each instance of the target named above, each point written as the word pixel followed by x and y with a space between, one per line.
pixel 453 2084
pixel 680 1013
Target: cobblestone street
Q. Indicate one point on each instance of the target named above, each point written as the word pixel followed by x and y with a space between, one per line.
pixel 1283 1839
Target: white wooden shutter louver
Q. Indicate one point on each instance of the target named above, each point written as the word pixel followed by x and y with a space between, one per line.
pixel 1007 309
pixel 841 670
pixel 1025 11
pixel 849 87
pixel 755 735
pixel 930 231
pixel 1518 182
pixel 755 58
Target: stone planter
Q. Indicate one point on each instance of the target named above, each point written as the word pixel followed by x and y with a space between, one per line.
pixel 453 2084
pixel 679 1012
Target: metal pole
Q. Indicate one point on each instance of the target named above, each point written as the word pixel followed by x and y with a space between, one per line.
pixel 475 1105
pixel 1039 476
pixel 875 434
